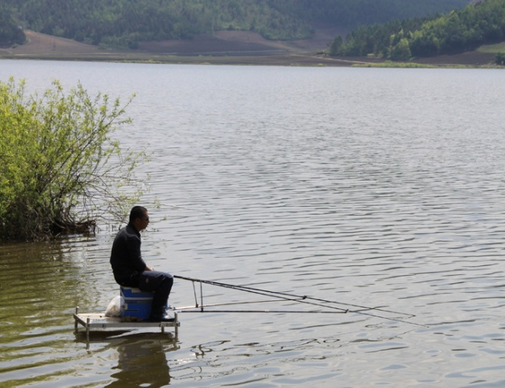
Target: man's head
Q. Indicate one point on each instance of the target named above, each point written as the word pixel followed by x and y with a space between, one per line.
pixel 139 217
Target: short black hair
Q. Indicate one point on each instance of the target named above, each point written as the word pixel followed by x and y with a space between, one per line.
pixel 137 212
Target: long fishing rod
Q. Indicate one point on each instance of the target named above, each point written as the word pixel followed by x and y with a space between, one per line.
pixel 288 296
pixel 301 299
pixel 257 291
pixel 264 311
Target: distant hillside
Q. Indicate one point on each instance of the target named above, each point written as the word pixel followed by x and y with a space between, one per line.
pixel 126 23
pixel 482 22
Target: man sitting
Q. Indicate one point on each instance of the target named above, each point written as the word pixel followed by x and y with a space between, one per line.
pixel 130 270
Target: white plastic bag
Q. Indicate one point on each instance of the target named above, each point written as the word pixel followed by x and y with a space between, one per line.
pixel 114 309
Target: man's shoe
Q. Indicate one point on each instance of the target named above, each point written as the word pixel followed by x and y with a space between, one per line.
pixel 161 318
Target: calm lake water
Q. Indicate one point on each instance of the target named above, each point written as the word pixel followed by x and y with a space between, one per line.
pixel 374 187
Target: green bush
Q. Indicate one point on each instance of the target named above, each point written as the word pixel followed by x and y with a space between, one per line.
pixel 59 169
pixel 500 59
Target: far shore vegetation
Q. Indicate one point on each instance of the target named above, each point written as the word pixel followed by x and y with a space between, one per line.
pixel 356 32
pixel 126 23
pixel 478 24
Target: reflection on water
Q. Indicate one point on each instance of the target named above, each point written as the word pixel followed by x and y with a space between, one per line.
pixel 141 362
pixel 381 188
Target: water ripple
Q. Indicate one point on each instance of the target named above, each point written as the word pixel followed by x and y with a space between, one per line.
pixel 370 187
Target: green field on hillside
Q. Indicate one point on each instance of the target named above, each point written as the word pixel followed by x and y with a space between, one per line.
pixel 492 48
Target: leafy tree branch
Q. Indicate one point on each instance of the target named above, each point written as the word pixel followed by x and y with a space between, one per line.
pixel 60 170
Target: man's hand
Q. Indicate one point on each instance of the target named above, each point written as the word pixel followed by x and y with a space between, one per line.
pixel 149 268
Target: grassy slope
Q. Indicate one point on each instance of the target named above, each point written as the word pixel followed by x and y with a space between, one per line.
pixel 492 48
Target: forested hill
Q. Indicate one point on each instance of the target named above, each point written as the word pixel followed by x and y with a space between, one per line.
pixel 123 23
pixel 479 23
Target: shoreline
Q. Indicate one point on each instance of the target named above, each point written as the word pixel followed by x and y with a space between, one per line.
pixel 227 48
pixel 270 60
pixel 265 60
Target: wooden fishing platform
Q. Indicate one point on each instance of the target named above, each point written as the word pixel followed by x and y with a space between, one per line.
pixel 99 322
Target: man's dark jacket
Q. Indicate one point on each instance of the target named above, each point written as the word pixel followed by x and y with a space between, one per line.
pixel 126 259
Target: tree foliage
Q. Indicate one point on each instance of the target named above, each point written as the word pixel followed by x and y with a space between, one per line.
pixel 127 22
pixel 354 13
pixel 500 59
pixel 59 169
pixel 10 31
pixel 453 32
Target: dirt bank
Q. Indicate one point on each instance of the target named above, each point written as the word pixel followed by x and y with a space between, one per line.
pixel 224 47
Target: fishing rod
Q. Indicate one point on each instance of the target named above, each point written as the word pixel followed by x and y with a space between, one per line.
pixel 297 298
pixel 288 296
pixel 257 291
pixel 265 311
